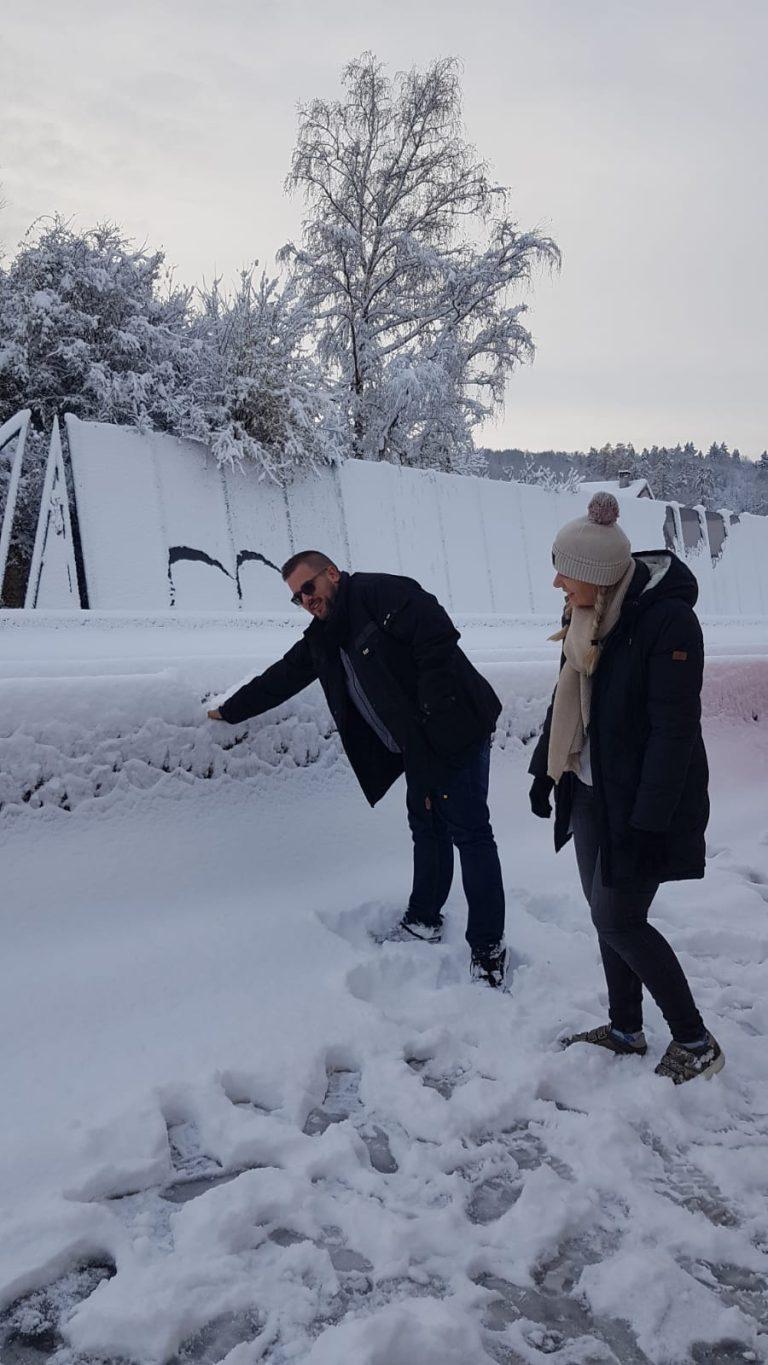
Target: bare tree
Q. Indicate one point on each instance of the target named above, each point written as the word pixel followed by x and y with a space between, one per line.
pixel 415 322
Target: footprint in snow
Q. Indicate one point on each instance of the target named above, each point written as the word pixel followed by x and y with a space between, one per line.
pixel 553 1321
pixel 565 912
pixel 495 1194
pixel 194 1171
pixel 362 923
pixel 756 879
pixel 342 1101
pixel 686 1185
pixel 443 1083
pixel 213 1342
pixel 29 1329
pixel 726 1352
pixel 736 1285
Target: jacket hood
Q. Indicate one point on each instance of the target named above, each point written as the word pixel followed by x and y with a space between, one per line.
pixel 662 576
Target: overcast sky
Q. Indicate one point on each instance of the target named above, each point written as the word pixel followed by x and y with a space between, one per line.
pixel 634 133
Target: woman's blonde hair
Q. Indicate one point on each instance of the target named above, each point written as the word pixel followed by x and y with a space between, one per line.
pixel 593 653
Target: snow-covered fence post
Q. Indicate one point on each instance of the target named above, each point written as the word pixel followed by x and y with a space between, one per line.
pixel 16 427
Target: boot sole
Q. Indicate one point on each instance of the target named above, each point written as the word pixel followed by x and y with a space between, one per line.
pixel 604 1047
pixel 714 1067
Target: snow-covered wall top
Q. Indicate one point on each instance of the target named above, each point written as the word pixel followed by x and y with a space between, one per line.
pixel 162 526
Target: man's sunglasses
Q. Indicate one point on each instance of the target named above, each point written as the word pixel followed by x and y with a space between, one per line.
pixel 306 589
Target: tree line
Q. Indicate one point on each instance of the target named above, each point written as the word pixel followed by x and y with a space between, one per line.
pixel 717 478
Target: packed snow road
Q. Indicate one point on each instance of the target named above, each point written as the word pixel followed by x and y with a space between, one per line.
pixel 237 1129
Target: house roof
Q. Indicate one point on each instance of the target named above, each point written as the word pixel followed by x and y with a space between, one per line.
pixel 636 488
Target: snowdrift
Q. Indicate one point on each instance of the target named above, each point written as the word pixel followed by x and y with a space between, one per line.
pixel 69 740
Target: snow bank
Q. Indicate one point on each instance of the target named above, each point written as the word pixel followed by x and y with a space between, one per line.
pixel 736 689
pixel 69 740
pixel 113 704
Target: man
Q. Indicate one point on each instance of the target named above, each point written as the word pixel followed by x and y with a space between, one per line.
pixel 405 698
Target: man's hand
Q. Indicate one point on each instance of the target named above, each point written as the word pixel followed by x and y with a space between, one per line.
pixel 215 715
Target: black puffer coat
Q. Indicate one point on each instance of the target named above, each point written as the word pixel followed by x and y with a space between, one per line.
pixel 649 765
pixel 403 648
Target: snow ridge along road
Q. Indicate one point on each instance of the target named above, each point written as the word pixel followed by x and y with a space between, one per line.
pixel 237 1130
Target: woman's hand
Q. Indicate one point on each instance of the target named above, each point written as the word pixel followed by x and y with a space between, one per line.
pixel 650 849
pixel 541 790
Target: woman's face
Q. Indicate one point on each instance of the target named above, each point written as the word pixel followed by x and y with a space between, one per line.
pixel 577 593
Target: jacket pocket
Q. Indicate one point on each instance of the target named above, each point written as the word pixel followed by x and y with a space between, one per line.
pixel 451 728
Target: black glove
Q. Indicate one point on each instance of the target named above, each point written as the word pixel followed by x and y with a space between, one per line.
pixel 541 790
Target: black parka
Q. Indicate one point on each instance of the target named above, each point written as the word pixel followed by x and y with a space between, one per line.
pixel 404 649
pixel 649 765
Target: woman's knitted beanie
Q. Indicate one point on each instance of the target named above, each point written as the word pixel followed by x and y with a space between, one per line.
pixel 593 548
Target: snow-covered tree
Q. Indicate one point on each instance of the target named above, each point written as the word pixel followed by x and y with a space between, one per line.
pixel 89 326
pixel 257 393
pixel 408 263
pixel 534 469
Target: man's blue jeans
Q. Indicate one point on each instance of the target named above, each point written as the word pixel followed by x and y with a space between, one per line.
pixel 457 813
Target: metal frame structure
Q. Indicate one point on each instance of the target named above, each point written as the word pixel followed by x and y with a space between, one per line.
pixel 16 427
pixel 54 519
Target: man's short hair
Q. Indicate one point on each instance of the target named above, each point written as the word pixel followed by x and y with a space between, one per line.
pixel 314 559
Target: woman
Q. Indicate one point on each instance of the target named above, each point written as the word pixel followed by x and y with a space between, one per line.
pixel 622 748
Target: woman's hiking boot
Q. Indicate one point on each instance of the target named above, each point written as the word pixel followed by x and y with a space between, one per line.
pixel 623 1044
pixel 681 1063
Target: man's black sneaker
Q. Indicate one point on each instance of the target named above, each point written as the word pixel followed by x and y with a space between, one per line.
pixel 488 965
pixel 681 1064
pixel 416 928
pixel 604 1036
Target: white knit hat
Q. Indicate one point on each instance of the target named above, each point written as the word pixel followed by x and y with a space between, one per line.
pixel 593 549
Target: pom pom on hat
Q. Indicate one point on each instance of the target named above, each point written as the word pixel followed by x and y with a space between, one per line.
pixel 603 509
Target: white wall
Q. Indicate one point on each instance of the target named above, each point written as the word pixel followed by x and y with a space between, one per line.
pixel 482 546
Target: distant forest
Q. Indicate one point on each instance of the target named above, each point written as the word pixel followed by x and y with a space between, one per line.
pixel 721 478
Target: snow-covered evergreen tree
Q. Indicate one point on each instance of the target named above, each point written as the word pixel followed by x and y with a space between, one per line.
pixel 414 316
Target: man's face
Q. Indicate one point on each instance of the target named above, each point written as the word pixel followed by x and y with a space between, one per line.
pixel 321 588
pixel 577 593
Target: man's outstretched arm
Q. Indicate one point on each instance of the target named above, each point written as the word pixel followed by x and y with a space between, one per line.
pixel 276 684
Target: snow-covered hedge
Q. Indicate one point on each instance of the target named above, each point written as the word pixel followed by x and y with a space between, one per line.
pixel 67 741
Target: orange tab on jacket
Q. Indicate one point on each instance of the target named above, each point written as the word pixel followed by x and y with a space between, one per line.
pixel 679 655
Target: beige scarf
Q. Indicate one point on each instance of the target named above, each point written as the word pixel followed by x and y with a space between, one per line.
pixel 586 630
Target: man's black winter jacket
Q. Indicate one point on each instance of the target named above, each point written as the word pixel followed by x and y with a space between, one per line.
pixel 404 649
pixel 649 765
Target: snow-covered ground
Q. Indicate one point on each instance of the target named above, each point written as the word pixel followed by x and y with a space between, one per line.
pixel 236 1128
